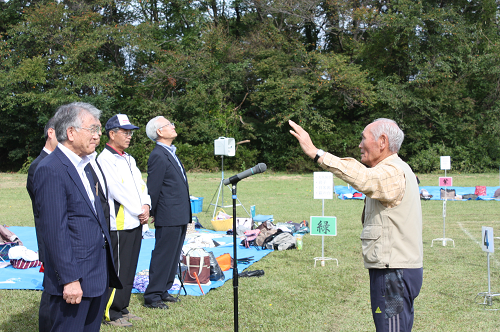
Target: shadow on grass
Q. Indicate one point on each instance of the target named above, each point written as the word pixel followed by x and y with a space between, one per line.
pixel 25 320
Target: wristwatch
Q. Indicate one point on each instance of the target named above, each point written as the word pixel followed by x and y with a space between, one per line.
pixel 318 155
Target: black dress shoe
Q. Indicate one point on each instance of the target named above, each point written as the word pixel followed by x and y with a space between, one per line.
pixel 170 298
pixel 156 305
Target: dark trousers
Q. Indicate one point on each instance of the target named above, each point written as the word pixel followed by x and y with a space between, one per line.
pixel 164 261
pixel 44 319
pixel 83 317
pixel 126 247
pixel 392 293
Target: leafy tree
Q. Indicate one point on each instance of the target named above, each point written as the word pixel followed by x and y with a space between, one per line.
pixel 433 81
pixel 243 68
pixel 53 56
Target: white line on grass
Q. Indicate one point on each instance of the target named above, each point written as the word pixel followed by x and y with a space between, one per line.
pixel 475 240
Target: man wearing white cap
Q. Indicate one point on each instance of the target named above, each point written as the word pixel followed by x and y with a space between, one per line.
pixel 129 205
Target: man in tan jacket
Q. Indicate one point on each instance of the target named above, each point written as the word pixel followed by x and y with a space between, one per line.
pixel 392 219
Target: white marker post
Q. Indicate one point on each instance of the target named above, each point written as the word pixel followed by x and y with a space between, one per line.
pixel 323 189
pixel 488 245
pixel 444 182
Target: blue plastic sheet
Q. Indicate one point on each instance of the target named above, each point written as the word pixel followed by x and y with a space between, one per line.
pixel 11 278
pixel 347 193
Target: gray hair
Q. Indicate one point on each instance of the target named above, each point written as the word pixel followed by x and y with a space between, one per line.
pixel 152 127
pixel 49 125
pixel 391 129
pixel 70 115
pixel 115 130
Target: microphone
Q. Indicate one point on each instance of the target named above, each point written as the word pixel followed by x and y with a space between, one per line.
pixel 259 168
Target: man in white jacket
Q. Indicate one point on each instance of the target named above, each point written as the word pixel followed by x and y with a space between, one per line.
pixel 129 205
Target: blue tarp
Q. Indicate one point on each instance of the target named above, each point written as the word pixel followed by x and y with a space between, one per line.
pixel 242 252
pixel 346 193
pixel 435 192
pixel 11 278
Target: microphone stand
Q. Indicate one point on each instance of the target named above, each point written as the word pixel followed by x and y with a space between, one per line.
pixel 235 262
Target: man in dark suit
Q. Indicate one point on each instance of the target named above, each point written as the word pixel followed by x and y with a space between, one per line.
pixel 44 323
pixel 171 209
pixel 78 260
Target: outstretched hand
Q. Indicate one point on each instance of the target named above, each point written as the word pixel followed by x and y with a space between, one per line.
pixel 304 140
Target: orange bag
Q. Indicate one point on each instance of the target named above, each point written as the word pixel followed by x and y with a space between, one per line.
pixel 225 262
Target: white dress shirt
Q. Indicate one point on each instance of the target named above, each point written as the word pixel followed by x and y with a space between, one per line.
pixel 79 164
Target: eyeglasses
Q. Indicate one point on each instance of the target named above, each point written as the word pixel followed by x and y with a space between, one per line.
pixel 93 130
pixel 127 133
pixel 171 124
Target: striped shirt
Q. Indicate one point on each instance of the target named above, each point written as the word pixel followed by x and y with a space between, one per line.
pixel 385 182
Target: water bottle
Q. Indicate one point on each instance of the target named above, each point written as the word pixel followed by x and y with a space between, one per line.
pixel 299 241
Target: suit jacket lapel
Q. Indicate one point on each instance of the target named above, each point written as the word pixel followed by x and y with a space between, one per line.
pixel 73 174
pixel 172 160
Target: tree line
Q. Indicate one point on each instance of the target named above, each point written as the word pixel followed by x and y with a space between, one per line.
pixel 242 68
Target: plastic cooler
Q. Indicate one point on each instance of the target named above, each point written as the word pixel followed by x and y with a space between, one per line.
pixel 196 204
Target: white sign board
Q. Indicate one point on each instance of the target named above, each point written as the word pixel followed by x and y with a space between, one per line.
pixel 445 162
pixel 487 242
pixel 323 185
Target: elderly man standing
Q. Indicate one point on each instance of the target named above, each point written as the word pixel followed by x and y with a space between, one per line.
pixel 78 260
pixel 44 323
pixel 392 219
pixel 129 206
pixel 171 208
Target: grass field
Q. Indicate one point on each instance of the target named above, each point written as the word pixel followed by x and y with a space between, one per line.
pixel 293 295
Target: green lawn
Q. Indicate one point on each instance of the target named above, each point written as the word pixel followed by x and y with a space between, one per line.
pixel 293 295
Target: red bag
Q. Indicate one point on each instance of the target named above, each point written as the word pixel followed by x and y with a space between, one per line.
pixel 480 191
pixel 197 261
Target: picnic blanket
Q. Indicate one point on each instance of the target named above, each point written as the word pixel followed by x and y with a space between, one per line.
pixel 435 192
pixel 11 278
pixel 345 192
